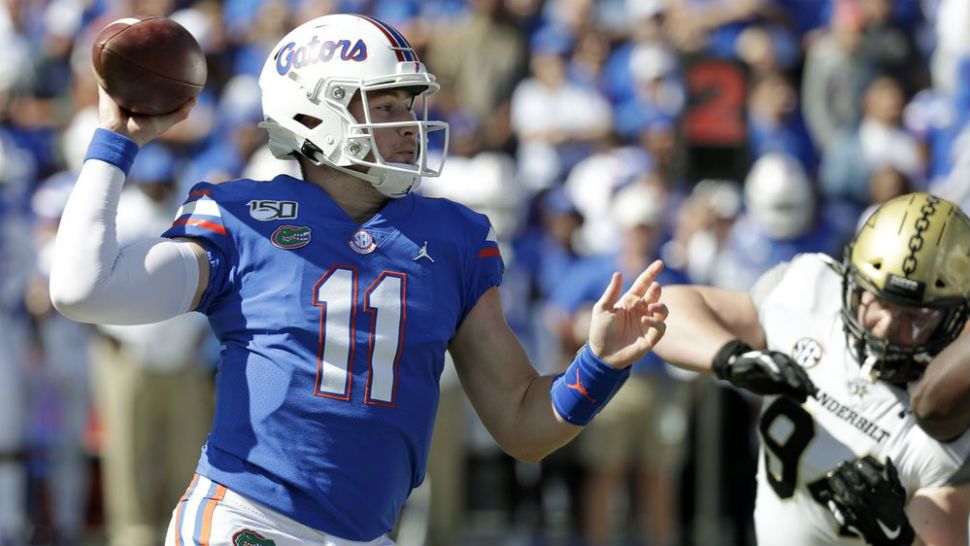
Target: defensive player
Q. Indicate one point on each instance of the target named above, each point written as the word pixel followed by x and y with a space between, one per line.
pixel 335 298
pixel 941 400
pixel 833 346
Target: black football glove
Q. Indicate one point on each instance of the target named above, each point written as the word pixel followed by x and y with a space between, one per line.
pixel 762 372
pixel 867 497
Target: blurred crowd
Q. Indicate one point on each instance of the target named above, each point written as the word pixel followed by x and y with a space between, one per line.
pixel 723 136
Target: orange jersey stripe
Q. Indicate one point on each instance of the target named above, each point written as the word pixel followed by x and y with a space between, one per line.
pixel 178 514
pixel 210 508
pixel 204 224
pixel 487 252
pixel 199 193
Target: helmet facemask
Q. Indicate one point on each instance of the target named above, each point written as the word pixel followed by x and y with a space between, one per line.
pixel 911 260
pixel 896 362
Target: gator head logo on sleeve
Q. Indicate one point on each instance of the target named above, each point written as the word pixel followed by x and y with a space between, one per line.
pixel 247 537
pixel 291 237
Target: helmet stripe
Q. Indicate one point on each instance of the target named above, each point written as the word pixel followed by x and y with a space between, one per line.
pixel 409 51
pixel 401 47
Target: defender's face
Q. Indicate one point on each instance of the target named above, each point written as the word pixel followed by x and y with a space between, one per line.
pixel 900 324
pixel 395 144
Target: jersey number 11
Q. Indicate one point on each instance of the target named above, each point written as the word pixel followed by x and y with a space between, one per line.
pixel 385 301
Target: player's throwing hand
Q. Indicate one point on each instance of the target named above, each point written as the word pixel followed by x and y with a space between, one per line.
pixel 624 328
pixel 139 128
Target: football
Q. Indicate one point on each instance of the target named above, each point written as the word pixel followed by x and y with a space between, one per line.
pixel 149 65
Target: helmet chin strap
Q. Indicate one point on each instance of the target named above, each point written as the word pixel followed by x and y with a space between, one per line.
pixel 392 184
pixel 868 374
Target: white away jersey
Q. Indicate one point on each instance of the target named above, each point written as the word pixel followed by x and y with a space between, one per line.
pixel 801 443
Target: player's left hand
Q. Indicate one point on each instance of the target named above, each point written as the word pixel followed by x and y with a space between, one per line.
pixel 867 497
pixel 624 328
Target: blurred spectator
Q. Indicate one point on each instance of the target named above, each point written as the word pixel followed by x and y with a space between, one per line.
pixel 956 184
pixel 715 26
pixel 836 74
pixel 541 254
pixel 153 393
pixel 887 183
pixel 588 60
pixel 658 92
pixel 19 167
pixel 775 123
pixel 484 181
pixel 559 246
pixel 864 42
pixel 940 121
pixel 887 44
pixel 254 26
pixel 767 48
pixel 950 20
pixel 884 184
pixel 702 227
pixel 235 137
pixel 479 59
pixel 65 385
pixel 592 184
pixel 646 27
pixel 555 120
pixel 15 263
pixel 879 140
pixel 782 218
pixel 659 137
pixel 640 446
pixel 572 16
pixel 447 463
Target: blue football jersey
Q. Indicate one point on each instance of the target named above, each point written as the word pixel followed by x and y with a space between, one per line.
pixel 333 339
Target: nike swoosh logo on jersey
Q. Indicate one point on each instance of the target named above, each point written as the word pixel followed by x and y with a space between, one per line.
pixel 890 533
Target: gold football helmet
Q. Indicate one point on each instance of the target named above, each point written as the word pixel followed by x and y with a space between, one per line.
pixel 913 253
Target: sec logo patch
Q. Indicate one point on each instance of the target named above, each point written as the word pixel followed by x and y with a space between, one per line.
pixel 807 352
pixel 362 242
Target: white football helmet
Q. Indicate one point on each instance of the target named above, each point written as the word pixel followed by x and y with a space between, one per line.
pixel 779 196
pixel 315 71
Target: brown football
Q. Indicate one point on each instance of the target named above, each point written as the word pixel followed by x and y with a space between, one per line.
pixel 149 65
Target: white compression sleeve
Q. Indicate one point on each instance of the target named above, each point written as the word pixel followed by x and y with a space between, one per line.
pixel 92 280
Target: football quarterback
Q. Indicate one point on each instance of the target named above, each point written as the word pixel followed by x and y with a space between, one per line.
pixel 334 298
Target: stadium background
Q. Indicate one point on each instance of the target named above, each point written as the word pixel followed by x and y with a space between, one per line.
pixel 722 135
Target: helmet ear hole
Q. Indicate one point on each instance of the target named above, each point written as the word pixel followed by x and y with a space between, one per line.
pixel 877 265
pixel 307 121
pixel 940 283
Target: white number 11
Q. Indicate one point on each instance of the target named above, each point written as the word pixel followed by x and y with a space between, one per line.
pixel 385 301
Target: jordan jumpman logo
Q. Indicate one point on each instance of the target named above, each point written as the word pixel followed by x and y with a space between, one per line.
pixel 423 253
pixel 580 388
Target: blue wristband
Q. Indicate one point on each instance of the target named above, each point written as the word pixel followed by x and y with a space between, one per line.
pixel 114 148
pixel 585 388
